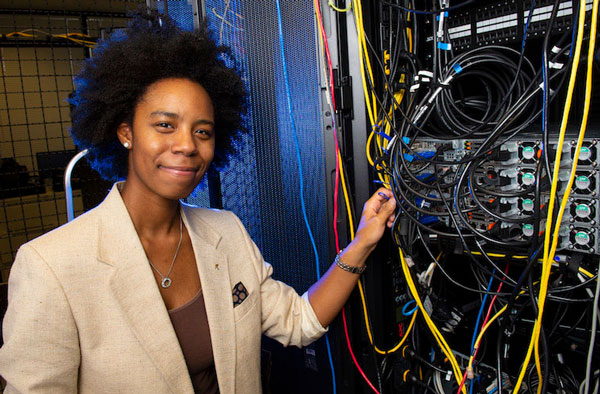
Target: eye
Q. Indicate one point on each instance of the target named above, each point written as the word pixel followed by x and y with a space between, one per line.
pixel 164 125
pixel 204 133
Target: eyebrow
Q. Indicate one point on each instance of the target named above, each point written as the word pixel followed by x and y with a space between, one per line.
pixel 176 116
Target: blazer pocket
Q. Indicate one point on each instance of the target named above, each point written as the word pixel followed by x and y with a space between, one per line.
pixel 242 309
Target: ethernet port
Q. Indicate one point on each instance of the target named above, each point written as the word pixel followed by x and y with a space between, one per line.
pixel 587 153
pixel 583 211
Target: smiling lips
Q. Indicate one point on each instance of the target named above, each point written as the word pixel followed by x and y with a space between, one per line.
pixel 180 171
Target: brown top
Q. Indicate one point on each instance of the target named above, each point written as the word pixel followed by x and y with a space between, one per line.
pixel 191 326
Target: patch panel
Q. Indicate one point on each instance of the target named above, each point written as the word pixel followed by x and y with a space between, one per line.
pixel 501 22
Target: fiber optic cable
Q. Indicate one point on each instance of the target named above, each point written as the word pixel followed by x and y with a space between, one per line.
pixel 588 369
pixel 587 100
pixel 339 166
pixel 348 8
pixel 549 251
pixel 300 171
pixel 437 335
pixel 339 171
pixel 477 322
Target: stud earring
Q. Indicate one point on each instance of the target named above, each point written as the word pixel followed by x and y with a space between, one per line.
pixel 126 145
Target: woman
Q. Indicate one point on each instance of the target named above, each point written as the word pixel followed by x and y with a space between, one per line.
pixel 131 294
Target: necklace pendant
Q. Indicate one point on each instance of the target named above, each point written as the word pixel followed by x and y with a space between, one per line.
pixel 166 282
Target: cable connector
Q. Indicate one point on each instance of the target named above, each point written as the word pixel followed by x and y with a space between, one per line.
pixel 470 374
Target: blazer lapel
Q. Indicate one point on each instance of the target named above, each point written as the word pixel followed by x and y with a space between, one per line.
pixel 133 285
pixel 216 285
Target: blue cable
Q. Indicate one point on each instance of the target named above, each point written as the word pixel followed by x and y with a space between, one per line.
pixel 574 28
pixel 297 146
pixel 409 313
pixel 527 25
pixel 479 319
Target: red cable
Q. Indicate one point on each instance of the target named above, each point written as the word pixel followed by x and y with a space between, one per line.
pixel 337 148
pixel 352 353
pixel 487 316
pixel 337 181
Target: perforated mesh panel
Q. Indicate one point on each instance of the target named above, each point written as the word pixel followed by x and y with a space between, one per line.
pixel 180 11
pixel 262 184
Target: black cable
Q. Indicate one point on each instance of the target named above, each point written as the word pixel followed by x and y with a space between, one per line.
pixel 422 12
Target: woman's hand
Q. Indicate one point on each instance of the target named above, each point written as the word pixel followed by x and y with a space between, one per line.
pixel 378 213
pixel 330 293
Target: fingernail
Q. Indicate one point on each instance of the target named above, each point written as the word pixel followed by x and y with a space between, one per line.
pixel 382 194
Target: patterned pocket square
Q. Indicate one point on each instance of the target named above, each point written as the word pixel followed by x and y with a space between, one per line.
pixel 239 294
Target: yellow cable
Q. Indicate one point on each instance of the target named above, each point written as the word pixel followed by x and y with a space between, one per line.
pixel 565 198
pixel 346 198
pixel 436 333
pixel 67 36
pixel 499 255
pixel 368 326
pixel 549 252
pixel 364 61
pixel 586 272
pixel 340 9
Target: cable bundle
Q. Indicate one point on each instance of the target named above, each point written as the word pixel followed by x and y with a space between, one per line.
pixel 464 142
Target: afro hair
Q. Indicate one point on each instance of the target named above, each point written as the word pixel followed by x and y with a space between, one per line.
pixel 152 48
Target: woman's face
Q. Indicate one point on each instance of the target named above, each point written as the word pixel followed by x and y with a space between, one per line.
pixel 172 139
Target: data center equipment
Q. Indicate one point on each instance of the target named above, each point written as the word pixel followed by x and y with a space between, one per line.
pixel 482 118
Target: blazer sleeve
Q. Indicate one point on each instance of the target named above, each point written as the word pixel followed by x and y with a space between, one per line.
pixel 41 348
pixel 286 316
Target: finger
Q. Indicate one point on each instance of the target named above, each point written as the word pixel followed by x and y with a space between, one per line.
pixel 383 194
pixel 391 220
pixel 379 198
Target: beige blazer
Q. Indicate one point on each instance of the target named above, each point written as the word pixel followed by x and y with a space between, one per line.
pixel 85 314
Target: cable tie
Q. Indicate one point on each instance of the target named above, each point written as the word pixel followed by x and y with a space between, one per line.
pixel 414 87
pixel 437 18
pixel 541 85
pixel 409 261
pixel 425 73
pixel 408 157
pixel 444 46
pixel 557 66
pixel 384 135
pixel 555 49
pixel 457 68
pixel 425 79
pixel 448 376
pixel 406 140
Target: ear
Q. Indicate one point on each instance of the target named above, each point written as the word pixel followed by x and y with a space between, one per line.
pixel 124 133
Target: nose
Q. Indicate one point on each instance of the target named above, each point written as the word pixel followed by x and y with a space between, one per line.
pixel 184 142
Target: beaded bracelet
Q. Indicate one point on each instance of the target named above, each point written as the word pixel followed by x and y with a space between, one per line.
pixel 349 268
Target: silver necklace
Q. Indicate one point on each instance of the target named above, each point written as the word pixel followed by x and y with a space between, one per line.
pixel 166 280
